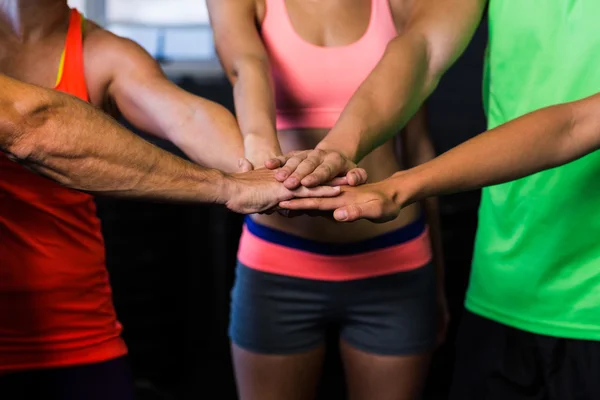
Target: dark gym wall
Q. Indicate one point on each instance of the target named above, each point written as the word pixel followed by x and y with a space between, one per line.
pixel 172 265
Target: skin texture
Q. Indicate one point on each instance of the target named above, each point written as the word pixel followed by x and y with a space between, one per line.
pixel 73 143
pixel 236 25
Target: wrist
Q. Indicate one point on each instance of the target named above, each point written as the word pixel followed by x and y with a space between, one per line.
pixel 403 188
pixel 266 139
pixel 347 147
pixel 260 148
pixel 224 188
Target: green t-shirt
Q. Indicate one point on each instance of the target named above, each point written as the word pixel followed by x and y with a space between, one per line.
pixel 536 265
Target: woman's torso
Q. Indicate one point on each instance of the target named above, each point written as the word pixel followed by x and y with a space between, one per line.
pixel 333 33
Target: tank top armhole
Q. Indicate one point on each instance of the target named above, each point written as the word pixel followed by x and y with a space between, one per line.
pixel 61 68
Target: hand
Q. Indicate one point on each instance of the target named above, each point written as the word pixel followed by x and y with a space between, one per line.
pixel 244 165
pixel 375 202
pixel 311 168
pixel 258 190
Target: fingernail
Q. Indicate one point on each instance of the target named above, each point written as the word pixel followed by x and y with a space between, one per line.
pixel 342 215
pixel 284 204
pixel 337 188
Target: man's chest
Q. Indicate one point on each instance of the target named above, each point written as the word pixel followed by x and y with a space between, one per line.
pixel 38 64
pixel 45 63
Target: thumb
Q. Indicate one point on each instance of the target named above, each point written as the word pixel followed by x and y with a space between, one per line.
pixel 371 211
pixel 276 162
pixel 357 176
pixel 244 165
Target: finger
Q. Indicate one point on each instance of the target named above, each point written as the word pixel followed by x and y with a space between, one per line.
pixel 245 165
pixel 276 162
pixel 357 176
pixel 323 173
pixel 371 210
pixel 340 181
pixel 322 204
pixel 290 166
pixel 306 167
pixel 320 191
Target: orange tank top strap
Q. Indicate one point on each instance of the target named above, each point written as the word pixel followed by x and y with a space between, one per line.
pixel 71 74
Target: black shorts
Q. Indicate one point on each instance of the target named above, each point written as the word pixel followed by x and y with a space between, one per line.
pixel 497 362
pixel 387 315
pixel 110 380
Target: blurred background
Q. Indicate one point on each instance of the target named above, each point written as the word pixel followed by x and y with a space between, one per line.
pixel 172 266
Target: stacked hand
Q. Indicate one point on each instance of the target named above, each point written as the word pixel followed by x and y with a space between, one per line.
pixel 373 202
pixel 308 182
pixel 311 168
pixel 258 191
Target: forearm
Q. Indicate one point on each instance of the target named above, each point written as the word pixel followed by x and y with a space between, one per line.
pixel 538 141
pixel 254 102
pixel 435 34
pixel 208 134
pixel 387 99
pixel 80 147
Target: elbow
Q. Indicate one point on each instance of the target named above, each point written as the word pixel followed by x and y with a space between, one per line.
pixel 21 123
pixel 248 64
pixel 582 125
pixel 15 131
pixel 416 45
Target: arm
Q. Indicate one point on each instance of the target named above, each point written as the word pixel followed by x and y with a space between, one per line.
pixel 435 34
pixel 205 131
pixel 541 140
pixel 246 64
pixel 73 143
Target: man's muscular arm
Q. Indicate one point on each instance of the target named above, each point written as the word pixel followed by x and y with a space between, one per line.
pixel 71 142
pixel 130 79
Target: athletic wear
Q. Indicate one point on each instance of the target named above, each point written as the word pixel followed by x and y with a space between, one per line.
pixel 537 258
pixel 55 299
pixel 313 84
pixel 277 252
pixel 109 380
pixel 380 292
pixel 389 315
pixel 496 362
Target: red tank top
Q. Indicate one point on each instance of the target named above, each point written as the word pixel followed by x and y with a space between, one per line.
pixel 55 299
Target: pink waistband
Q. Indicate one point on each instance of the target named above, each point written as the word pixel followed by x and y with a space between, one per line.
pixel 259 254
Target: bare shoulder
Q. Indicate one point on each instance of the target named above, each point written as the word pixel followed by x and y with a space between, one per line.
pixel 106 54
pixel 103 46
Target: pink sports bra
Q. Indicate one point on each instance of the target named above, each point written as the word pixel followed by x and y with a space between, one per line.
pixel 313 84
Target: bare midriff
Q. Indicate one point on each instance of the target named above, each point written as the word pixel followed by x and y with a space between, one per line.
pixel 379 164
